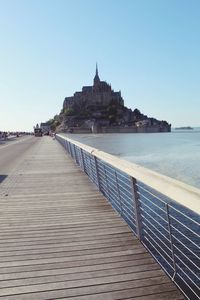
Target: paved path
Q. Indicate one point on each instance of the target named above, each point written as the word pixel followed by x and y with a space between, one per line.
pixel 60 239
pixel 12 152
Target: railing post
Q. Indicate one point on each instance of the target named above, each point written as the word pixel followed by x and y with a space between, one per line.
pixel 107 187
pixel 70 150
pixel 97 173
pixel 82 158
pixel 90 169
pixel 171 240
pixel 136 204
pixel 119 195
pixel 66 146
pixel 75 155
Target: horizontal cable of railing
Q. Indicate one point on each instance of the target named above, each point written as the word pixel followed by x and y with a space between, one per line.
pixel 164 213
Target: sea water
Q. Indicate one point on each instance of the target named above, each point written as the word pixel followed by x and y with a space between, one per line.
pixel 175 154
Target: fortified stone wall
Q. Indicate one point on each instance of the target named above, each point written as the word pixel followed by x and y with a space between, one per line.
pixel 152 129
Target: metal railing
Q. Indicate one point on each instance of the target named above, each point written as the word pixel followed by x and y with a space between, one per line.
pixel 163 213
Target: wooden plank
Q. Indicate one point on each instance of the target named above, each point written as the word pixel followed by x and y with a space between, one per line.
pixel 86 275
pixel 59 249
pixel 120 290
pixel 69 284
pixel 57 269
pixel 74 263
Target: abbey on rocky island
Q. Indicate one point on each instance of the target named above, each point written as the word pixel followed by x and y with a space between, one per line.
pixel 99 109
pixel 98 95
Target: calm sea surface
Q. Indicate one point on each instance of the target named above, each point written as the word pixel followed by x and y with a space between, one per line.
pixel 176 154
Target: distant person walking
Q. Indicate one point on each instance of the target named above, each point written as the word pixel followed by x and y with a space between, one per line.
pixel 5 136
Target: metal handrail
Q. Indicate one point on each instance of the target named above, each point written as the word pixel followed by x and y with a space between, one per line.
pixel 164 213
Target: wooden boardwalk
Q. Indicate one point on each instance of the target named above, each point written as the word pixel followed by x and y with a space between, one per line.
pixel 60 239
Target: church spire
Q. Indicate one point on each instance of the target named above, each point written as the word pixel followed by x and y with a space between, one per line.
pixel 96 78
pixel 97 70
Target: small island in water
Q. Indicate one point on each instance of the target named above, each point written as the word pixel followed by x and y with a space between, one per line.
pixel 184 128
pixel 99 109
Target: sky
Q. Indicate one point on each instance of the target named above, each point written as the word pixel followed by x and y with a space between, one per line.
pixel 148 49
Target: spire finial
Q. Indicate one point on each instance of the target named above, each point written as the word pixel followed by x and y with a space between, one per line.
pixel 96 69
pixel 96 78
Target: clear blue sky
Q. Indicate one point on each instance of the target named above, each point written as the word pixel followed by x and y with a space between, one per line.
pixel 148 49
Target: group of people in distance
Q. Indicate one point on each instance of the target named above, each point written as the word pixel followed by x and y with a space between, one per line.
pixel 3 135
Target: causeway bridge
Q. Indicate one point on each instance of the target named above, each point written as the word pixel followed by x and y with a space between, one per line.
pixel 77 223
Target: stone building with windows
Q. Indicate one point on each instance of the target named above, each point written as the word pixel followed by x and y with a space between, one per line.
pixel 100 94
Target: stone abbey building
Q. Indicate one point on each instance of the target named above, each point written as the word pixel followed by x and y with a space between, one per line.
pixel 100 94
pixel 99 109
